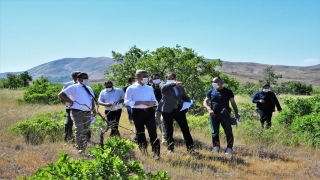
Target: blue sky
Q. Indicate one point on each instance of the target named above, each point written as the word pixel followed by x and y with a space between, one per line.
pixel 275 32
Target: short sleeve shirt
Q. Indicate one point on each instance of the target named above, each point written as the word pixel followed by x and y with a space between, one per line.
pixel 219 99
pixel 82 99
pixel 110 97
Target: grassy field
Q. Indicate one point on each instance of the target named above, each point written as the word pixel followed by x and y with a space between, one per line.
pixel 249 161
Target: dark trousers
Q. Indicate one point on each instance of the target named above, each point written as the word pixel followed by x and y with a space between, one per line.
pixel 265 116
pixel 180 117
pixel 225 122
pixel 68 127
pixel 114 117
pixel 146 117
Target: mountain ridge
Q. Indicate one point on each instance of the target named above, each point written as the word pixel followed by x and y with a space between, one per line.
pixel 59 70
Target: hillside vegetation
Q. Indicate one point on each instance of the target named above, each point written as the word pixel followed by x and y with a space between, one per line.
pixel 258 154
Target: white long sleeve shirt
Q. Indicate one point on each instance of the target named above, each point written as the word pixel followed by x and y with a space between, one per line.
pixel 136 92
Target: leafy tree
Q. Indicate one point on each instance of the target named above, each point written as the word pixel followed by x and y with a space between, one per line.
pixel 249 88
pixel 190 68
pixel 297 88
pixel 270 77
pixel 13 81
pixel 26 78
pixel 4 83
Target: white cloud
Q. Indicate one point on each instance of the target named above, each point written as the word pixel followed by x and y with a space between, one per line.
pixel 309 61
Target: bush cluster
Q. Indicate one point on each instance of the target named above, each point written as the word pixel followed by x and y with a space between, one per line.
pixel 111 162
pixel 45 126
pixel 302 117
pixel 42 91
pixel 291 87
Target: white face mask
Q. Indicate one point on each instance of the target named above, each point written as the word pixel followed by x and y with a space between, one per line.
pixel 170 81
pixel 145 80
pixel 108 89
pixel 215 85
pixel 85 82
pixel 156 81
pixel 266 90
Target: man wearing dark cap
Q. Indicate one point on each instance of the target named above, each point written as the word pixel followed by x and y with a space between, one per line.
pixel 266 102
pixel 68 123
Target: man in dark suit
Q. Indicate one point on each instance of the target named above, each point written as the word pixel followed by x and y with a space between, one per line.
pixel 173 96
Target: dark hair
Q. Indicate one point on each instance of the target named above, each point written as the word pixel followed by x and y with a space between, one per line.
pixel 155 74
pixel 75 74
pixel 130 80
pixel 171 74
pixel 265 84
pixel 108 82
pixel 80 75
pixel 139 72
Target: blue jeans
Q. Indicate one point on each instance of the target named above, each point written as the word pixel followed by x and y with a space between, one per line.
pixel 226 125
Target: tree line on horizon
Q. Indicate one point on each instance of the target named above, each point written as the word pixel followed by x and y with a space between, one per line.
pixel 194 70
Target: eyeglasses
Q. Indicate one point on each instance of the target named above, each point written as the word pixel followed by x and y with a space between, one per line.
pixel 108 86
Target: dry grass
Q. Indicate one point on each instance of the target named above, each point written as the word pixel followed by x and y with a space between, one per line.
pixel 249 161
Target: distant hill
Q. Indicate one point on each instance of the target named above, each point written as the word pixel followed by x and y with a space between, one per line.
pixel 252 72
pixel 60 70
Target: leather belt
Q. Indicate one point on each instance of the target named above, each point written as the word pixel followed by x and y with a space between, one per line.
pixel 145 109
pixel 78 110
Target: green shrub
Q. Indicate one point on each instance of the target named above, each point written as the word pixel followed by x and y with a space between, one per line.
pixel 42 91
pixel 307 129
pixel 302 117
pixel 111 162
pixel 97 88
pixel 247 111
pixel 248 88
pixel 294 108
pixel 45 126
pixel 199 123
pixel 315 91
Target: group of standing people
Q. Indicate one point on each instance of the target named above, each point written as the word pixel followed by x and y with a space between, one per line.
pixel 152 103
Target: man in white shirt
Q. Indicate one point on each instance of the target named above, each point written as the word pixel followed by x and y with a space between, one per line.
pixel 112 98
pixel 140 97
pixel 81 104
pixel 68 123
